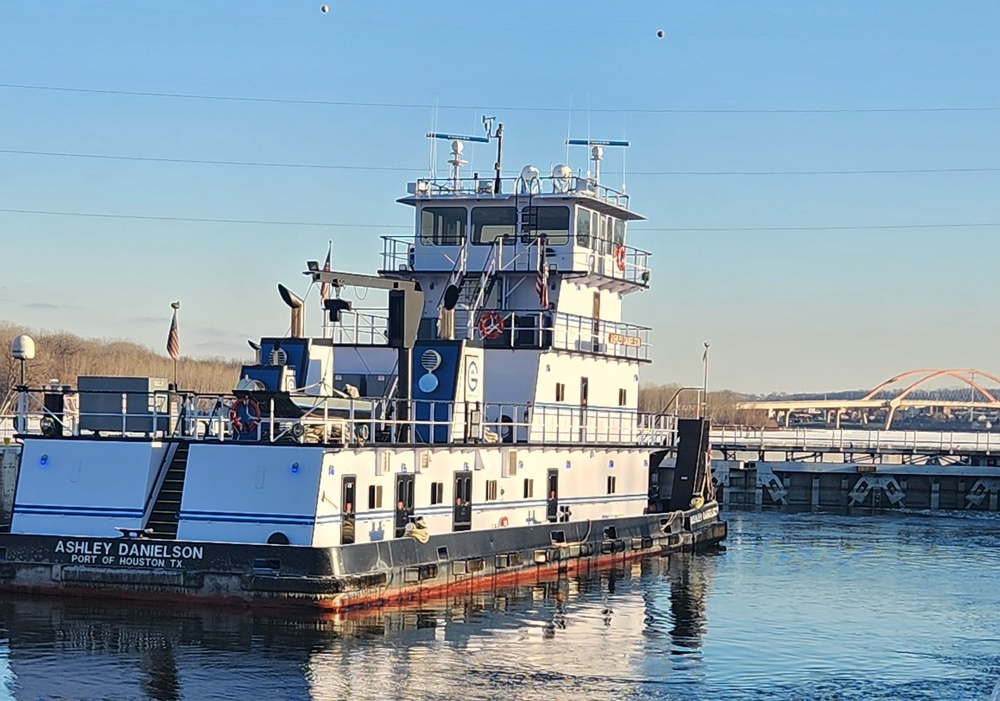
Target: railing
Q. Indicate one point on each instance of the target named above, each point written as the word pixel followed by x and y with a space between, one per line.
pixel 486 187
pixel 853 440
pixel 359 327
pixel 525 328
pixel 596 257
pixel 343 421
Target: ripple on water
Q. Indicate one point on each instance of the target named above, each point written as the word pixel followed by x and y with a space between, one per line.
pixel 797 607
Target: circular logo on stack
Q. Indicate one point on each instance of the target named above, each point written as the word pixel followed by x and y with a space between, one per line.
pixel 472 376
pixel 430 360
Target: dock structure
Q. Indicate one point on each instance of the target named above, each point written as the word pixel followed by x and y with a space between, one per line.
pixel 842 470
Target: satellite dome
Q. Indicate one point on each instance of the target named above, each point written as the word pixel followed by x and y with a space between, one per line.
pixel 562 178
pixel 23 348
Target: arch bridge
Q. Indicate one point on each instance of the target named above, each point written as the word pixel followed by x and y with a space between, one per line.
pixel 889 398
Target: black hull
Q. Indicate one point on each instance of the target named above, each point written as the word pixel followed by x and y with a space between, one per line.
pixel 343 577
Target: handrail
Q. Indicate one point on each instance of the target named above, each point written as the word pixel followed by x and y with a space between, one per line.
pixel 596 257
pixel 856 440
pixel 429 188
pixel 358 421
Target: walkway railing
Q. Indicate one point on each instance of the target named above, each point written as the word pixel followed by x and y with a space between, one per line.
pixel 304 419
pixel 532 328
pixel 854 440
pixel 586 256
pixel 486 187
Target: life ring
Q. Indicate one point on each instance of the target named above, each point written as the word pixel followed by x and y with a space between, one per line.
pixel 620 258
pixel 502 523
pixel 244 414
pixel 491 325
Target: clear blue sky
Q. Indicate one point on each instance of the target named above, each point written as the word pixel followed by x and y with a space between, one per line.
pixel 731 115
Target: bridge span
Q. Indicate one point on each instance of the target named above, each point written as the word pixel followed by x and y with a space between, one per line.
pixel 884 403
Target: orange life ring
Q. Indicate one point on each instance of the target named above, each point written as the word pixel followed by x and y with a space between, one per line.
pixel 491 325
pixel 502 523
pixel 244 414
pixel 620 258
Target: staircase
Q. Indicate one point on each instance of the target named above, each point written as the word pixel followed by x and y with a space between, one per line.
pixel 167 507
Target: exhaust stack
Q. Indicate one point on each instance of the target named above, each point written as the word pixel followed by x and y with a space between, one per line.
pixel 298 318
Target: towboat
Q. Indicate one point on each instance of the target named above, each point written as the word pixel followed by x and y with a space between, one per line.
pixel 478 427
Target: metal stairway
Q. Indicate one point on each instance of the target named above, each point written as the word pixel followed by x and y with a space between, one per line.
pixel 167 507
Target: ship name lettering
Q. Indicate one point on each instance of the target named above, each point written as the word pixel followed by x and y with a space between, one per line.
pixel 82 547
pixel 160 550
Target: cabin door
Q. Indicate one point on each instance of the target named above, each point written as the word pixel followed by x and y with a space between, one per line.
pixel 463 502
pixel 552 496
pixel 404 502
pixel 584 401
pixel 348 509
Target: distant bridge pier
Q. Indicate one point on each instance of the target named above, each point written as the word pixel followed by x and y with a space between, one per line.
pixel 852 470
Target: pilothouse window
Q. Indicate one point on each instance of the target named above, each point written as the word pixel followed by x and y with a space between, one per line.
pixel 550 222
pixel 491 223
pixel 442 226
pixel 582 227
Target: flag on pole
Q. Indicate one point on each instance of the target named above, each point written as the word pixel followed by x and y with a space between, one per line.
pixel 324 288
pixel 542 278
pixel 173 339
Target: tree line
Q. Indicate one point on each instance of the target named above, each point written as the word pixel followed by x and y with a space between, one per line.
pixel 64 356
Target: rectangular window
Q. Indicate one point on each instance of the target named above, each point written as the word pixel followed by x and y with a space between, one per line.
pixel 622 397
pixel 560 392
pixel 619 232
pixel 529 488
pixel 550 222
pixel 612 484
pixel 442 226
pixel 491 490
pixel 582 227
pixel 375 496
pixel 437 492
pixel 491 223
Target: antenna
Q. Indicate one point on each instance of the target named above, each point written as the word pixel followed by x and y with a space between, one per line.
pixel 597 150
pixel 488 126
pixel 458 147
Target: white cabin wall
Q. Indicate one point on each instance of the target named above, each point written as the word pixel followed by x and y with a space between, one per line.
pixel 510 375
pixel 58 479
pixel 582 486
pixel 605 377
pixel 319 375
pixel 579 300
pixel 244 493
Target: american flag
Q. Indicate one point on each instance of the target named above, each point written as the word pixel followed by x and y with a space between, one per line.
pixel 173 340
pixel 324 288
pixel 542 278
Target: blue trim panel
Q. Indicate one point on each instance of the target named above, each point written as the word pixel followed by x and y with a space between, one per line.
pixel 64 510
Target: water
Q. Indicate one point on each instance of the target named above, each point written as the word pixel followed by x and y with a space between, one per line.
pixel 797 607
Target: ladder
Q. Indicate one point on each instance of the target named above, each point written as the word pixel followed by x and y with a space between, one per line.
pixel 167 507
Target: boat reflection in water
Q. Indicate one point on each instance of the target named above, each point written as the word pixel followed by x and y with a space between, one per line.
pixel 568 638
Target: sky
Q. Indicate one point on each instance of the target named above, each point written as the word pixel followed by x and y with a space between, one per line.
pixel 820 179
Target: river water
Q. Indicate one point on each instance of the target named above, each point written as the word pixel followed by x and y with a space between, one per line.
pixel 796 607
